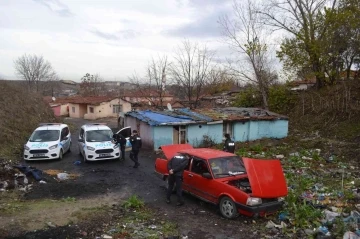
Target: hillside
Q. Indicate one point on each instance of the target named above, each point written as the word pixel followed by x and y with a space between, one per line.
pixel 20 113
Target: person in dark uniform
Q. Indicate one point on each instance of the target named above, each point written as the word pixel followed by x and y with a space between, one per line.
pixel 229 145
pixel 176 167
pixel 121 140
pixel 136 144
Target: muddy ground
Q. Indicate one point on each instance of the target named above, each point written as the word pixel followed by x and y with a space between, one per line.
pixel 108 183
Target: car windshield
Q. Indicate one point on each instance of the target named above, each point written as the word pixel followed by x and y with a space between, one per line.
pixel 99 135
pixel 227 166
pixel 45 135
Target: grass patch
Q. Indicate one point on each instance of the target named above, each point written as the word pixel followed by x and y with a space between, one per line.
pixel 88 213
pixel 133 202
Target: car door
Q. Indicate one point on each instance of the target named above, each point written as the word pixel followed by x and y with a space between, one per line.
pixel 67 138
pixel 64 139
pixel 200 186
pixel 81 142
pixel 126 132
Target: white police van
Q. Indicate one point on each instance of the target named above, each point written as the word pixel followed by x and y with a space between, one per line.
pixel 48 141
pixel 96 143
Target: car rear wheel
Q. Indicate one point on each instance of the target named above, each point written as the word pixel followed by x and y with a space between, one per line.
pixel 228 208
pixel 61 154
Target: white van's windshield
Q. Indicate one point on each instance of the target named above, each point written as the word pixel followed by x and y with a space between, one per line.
pixel 45 136
pixel 99 135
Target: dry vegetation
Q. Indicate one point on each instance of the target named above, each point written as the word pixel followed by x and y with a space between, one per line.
pixel 20 112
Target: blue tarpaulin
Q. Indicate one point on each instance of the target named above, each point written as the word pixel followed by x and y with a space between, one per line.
pixel 171 117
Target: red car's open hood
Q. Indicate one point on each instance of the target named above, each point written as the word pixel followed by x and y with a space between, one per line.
pixel 266 177
pixel 171 149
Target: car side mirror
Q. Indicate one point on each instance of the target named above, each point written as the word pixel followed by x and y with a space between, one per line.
pixel 65 138
pixel 207 175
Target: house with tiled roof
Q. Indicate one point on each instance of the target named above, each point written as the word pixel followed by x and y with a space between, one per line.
pixel 95 107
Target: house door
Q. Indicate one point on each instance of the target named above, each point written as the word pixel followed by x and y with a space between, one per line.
pixel 179 134
pixel 228 128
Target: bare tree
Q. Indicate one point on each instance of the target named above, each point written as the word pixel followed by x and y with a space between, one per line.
pixel 92 85
pixel 34 69
pixel 153 85
pixel 191 68
pixel 245 35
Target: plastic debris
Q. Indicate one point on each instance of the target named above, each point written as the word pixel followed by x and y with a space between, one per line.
pixel 283 216
pixel 78 162
pixel 63 176
pixel 324 230
pixel 271 224
pixel 42 181
pixel 330 216
pixel 280 156
pixel 106 236
pixel 350 235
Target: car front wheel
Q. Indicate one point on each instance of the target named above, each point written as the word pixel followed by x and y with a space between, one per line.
pixel 228 208
pixel 84 158
pixel 61 154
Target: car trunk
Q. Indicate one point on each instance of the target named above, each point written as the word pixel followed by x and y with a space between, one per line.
pixel 266 178
pixel 171 150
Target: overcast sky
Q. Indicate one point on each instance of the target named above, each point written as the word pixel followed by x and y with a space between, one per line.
pixel 114 38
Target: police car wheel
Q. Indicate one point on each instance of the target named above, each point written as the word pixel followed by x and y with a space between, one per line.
pixel 61 154
pixel 84 158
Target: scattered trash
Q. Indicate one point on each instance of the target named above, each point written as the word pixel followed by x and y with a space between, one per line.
pixel 330 216
pixel 271 224
pixel 78 162
pixel 27 170
pixel 280 156
pixel 152 227
pixel 50 224
pixel 283 216
pixel 42 181
pixel 106 236
pixel 350 235
pixel 324 230
pixel 63 176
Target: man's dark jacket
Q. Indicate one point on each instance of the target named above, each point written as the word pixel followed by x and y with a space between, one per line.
pixel 177 163
pixel 135 141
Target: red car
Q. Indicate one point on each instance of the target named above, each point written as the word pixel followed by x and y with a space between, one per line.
pixel 253 187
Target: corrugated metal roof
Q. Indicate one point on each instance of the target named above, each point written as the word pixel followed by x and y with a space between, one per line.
pixel 175 117
pixel 240 113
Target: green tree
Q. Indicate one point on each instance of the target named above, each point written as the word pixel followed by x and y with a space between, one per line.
pixel 304 21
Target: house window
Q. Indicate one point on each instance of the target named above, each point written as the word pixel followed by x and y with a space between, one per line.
pixel 91 109
pixel 117 109
pixel 73 109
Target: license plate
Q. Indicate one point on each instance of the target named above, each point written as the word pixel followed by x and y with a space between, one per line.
pixel 104 155
pixel 39 155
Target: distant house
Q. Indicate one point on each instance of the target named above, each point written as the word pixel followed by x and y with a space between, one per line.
pixel 185 126
pixel 302 84
pixel 60 106
pixel 95 107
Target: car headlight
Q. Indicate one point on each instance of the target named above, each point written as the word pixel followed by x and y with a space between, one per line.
pixel 116 146
pixel 53 147
pixel 90 148
pixel 26 148
pixel 253 201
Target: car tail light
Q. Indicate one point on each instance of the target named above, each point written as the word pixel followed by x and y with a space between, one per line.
pixel 253 201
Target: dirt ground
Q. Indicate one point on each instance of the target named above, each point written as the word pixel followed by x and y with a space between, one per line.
pixel 108 183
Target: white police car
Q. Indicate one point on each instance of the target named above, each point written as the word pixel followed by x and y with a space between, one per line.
pixel 96 143
pixel 48 141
